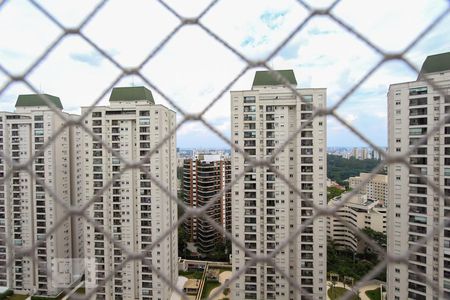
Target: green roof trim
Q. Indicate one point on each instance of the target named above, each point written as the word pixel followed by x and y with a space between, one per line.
pixel 133 93
pixel 266 78
pixel 436 63
pixel 37 100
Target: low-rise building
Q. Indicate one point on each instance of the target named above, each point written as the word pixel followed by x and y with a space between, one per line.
pixel 359 212
pixel 191 286
pixel 375 189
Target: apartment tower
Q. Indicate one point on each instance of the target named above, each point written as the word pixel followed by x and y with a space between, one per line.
pixel 265 211
pixel 28 210
pixel 414 108
pixel 134 209
pixel 204 176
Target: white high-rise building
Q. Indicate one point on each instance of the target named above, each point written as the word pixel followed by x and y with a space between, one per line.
pixel 355 153
pixel 364 153
pixel 375 154
pixel 27 209
pixel 133 209
pixel 414 108
pixel 265 211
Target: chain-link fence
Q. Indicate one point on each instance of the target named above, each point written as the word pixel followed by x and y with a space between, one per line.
pixel 199 117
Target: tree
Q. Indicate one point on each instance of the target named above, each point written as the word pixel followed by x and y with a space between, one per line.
pixel 333 287
pixel 221 250
pixel 183 251
pixel 378 237
pixel 340 169
pixel 348 263
pixel 333 192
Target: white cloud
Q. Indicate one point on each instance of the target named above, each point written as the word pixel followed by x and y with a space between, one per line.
pixel 25 34
pixel 350 118
pixel 391 25
pixel 381 114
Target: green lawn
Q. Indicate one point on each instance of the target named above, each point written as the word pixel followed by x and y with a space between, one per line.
pixel 59 297
pixel 209 286
pixel 191 274
pixel 18 297
pixel 81 291
pixel 338 292
pixel 374 294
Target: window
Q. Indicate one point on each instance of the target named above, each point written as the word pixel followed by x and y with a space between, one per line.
pixel 250 108
pixel 418 101
pixel 249 117
pixel 144 121
pixel 417 131
pixel 307 98
pixel 249 99
pixel 418 91
pixel 39 132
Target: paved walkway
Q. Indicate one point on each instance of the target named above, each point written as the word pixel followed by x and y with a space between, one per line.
pixel 180 284
pixel 338 284
pixel 224 276
pixel 362 291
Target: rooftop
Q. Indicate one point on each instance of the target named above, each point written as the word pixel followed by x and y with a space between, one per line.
pixel 436 63
pixel 209 157
pixel 134 93
pixel 192 284
pixel 266 78
pixel 37 100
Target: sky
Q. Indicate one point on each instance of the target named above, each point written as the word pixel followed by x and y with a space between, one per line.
pixel 193 68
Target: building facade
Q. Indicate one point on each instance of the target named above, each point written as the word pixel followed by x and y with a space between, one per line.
pixel 414 108
pixel 364 153
pixel 355 152
pixel 133 208
pixel 204 176
pixel 359 212
pixel 375 189
pixel 265 211
pixel 28 209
